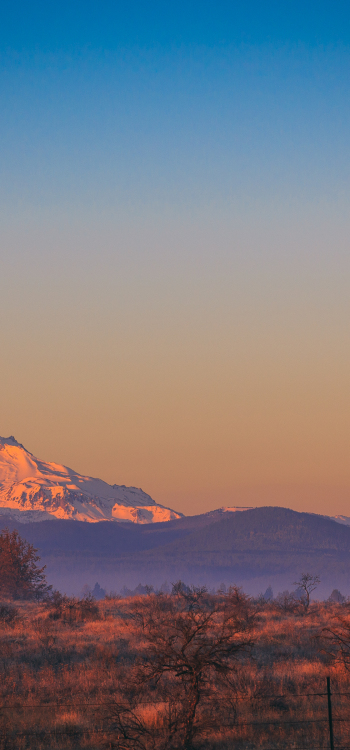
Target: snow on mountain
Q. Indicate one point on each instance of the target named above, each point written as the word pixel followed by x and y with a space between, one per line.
pixel 33 490
pixel 228 509
pixel 345 520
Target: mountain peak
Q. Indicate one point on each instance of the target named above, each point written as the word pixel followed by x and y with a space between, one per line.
pixel 32 489
pixel 11 441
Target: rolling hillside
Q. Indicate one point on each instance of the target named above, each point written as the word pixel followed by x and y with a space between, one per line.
pixel 256 548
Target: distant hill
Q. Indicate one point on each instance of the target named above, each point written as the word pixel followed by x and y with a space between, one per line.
pixel 265 530
pixel 263 542
pixel 256 548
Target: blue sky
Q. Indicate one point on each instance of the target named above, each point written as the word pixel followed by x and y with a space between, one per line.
pixel 114 102
pixel 109 25
pixel 174 273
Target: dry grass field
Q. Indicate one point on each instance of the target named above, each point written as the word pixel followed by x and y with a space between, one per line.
pixel 80 675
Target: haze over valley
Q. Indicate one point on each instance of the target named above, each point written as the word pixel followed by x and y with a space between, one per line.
pixel 86 529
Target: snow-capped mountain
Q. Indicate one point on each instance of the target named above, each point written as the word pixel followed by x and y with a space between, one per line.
pixel 33 490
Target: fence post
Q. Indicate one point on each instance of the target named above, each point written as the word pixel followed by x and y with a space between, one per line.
pixel 331 739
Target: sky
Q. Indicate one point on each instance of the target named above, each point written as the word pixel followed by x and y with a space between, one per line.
pixel 174 261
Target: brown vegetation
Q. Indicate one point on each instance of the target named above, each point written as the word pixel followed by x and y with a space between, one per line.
pixel 192 641
pixel 128 673
pixel 20 576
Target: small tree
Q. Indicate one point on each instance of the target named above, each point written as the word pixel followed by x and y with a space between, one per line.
pixel 20 576
pixel 192 643
pixel 268 596
pixel 307 584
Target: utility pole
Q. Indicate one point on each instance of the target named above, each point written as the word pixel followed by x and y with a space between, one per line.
pixel 331 739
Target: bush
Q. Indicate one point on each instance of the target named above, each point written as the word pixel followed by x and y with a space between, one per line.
pixel 73 611
pixel 8 614
pixel 288 601
pixel 193 646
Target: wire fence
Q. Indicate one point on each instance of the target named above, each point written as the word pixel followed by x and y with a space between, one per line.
pixel 311 721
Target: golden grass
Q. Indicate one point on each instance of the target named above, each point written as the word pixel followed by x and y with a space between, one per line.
pixel 59 680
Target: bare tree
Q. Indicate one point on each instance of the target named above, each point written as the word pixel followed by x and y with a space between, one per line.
pixel 307 583
pixel 192 642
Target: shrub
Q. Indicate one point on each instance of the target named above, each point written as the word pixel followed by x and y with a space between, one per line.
pixel 71 610
pixel 288 601
pixel 193 645
pixel 8 614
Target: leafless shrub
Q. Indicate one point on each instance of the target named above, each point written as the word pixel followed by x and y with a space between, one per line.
pixel 288 602
pixel 193 643
pixel 335 640
pixel 72 611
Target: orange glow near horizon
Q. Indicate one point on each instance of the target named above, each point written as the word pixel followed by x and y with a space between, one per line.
pixel 205 381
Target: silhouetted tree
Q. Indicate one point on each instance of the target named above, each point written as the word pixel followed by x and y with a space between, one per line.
pixel 20 576
pixel 336 597
pixel 268 596
pixel 306 585
pixel 98 592
pixel 191 642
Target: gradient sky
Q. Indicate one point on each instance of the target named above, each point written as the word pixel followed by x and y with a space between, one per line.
pixel 175 267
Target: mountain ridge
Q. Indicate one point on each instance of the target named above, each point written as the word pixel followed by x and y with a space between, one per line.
pixel 254 549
